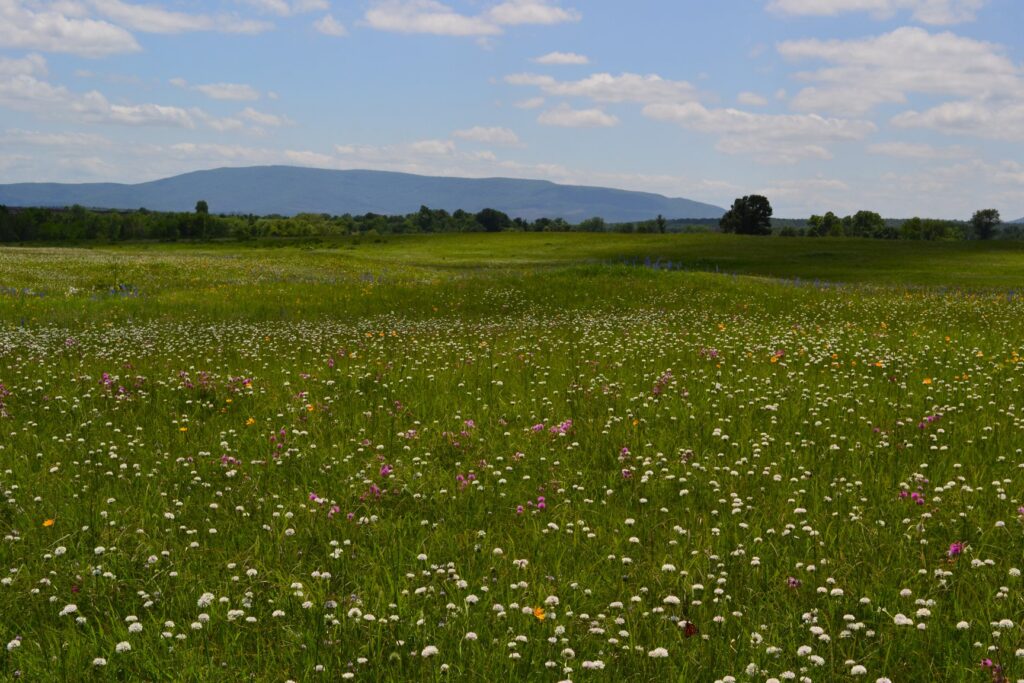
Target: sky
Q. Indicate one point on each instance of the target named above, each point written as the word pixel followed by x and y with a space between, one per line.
pixel 905 107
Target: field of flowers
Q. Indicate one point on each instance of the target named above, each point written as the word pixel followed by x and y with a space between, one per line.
pixel 276 464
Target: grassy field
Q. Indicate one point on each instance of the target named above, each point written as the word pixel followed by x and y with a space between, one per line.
pixel 511 457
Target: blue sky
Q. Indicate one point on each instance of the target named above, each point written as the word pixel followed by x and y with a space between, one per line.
pixel 906 107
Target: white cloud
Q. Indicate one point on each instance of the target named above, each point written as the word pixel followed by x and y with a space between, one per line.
pixel 864 73
pixel 433 17
pixel 605 87
pixel 330 26
pixel 994 121
pixel 22 88
pixel 770 138
pixel 530 103
pixel 565 116
pixel 433 147
pixel 52 30
pixel 909 150
pixel 925 11
pixel 283 8
pixel 155 19
pixel 751 99
pixel 494 135
pixel 34 138
pixel 239 92
pixel 29 65
pixel 229 91
pixel 426 16
pixel 514 12
pixel 263 118
pixel 562 58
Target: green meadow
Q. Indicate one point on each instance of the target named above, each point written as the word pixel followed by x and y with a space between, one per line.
pixel 513 457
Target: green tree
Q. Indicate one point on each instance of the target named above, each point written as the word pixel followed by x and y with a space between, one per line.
pixel 912 229
pixel 867 224
pixel 595 224
pixel 984 223
pixel 749 215
pixel 661 223
pixel 202 219
pixel 492 220
pixel 831 225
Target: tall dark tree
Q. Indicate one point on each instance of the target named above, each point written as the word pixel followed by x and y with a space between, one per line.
pixel 661 223
pixel 984 223
pixel 832 225
pixel 867 224
pixel 493 220
pixel 750 215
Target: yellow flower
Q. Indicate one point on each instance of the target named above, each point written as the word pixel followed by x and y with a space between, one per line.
pixel 927 380
pixel 539 613
pixel 48 522
pixel 182 429
pixel 250 422
pixel 309 407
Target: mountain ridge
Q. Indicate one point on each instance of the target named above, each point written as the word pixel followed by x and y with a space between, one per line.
pixel 288 190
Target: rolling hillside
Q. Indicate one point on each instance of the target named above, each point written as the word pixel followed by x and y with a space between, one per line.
pixel 288 190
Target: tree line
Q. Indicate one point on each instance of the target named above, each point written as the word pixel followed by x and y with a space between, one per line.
pixel 752 215
pixel 76 223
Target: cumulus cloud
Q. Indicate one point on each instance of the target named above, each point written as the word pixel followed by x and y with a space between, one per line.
pixel 562 58
pixel 530 103
pixel 925 11
pixel 330 26
pixel 283 8
pixel 433 17
pixel 50 29
pixel 493 135
pixel 514 12
pixel 156 19
pixel 426 16
pixel 910 150
pixel 30 65
pixel 221 91
pixel 770 138
pixel 864 73
pixel 751 99
pixel 433 147
pixel 994 121
pixel 35 138
pixel 567 117
pixel 23 87
pixel 605 87
pixel 264 119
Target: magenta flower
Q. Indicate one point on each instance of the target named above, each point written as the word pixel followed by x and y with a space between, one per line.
pixel 955 549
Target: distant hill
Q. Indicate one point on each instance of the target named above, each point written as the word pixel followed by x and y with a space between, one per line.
pixel 1019 220
pixel 288 190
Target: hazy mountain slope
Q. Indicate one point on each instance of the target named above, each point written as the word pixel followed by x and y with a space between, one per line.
pixel 290 190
